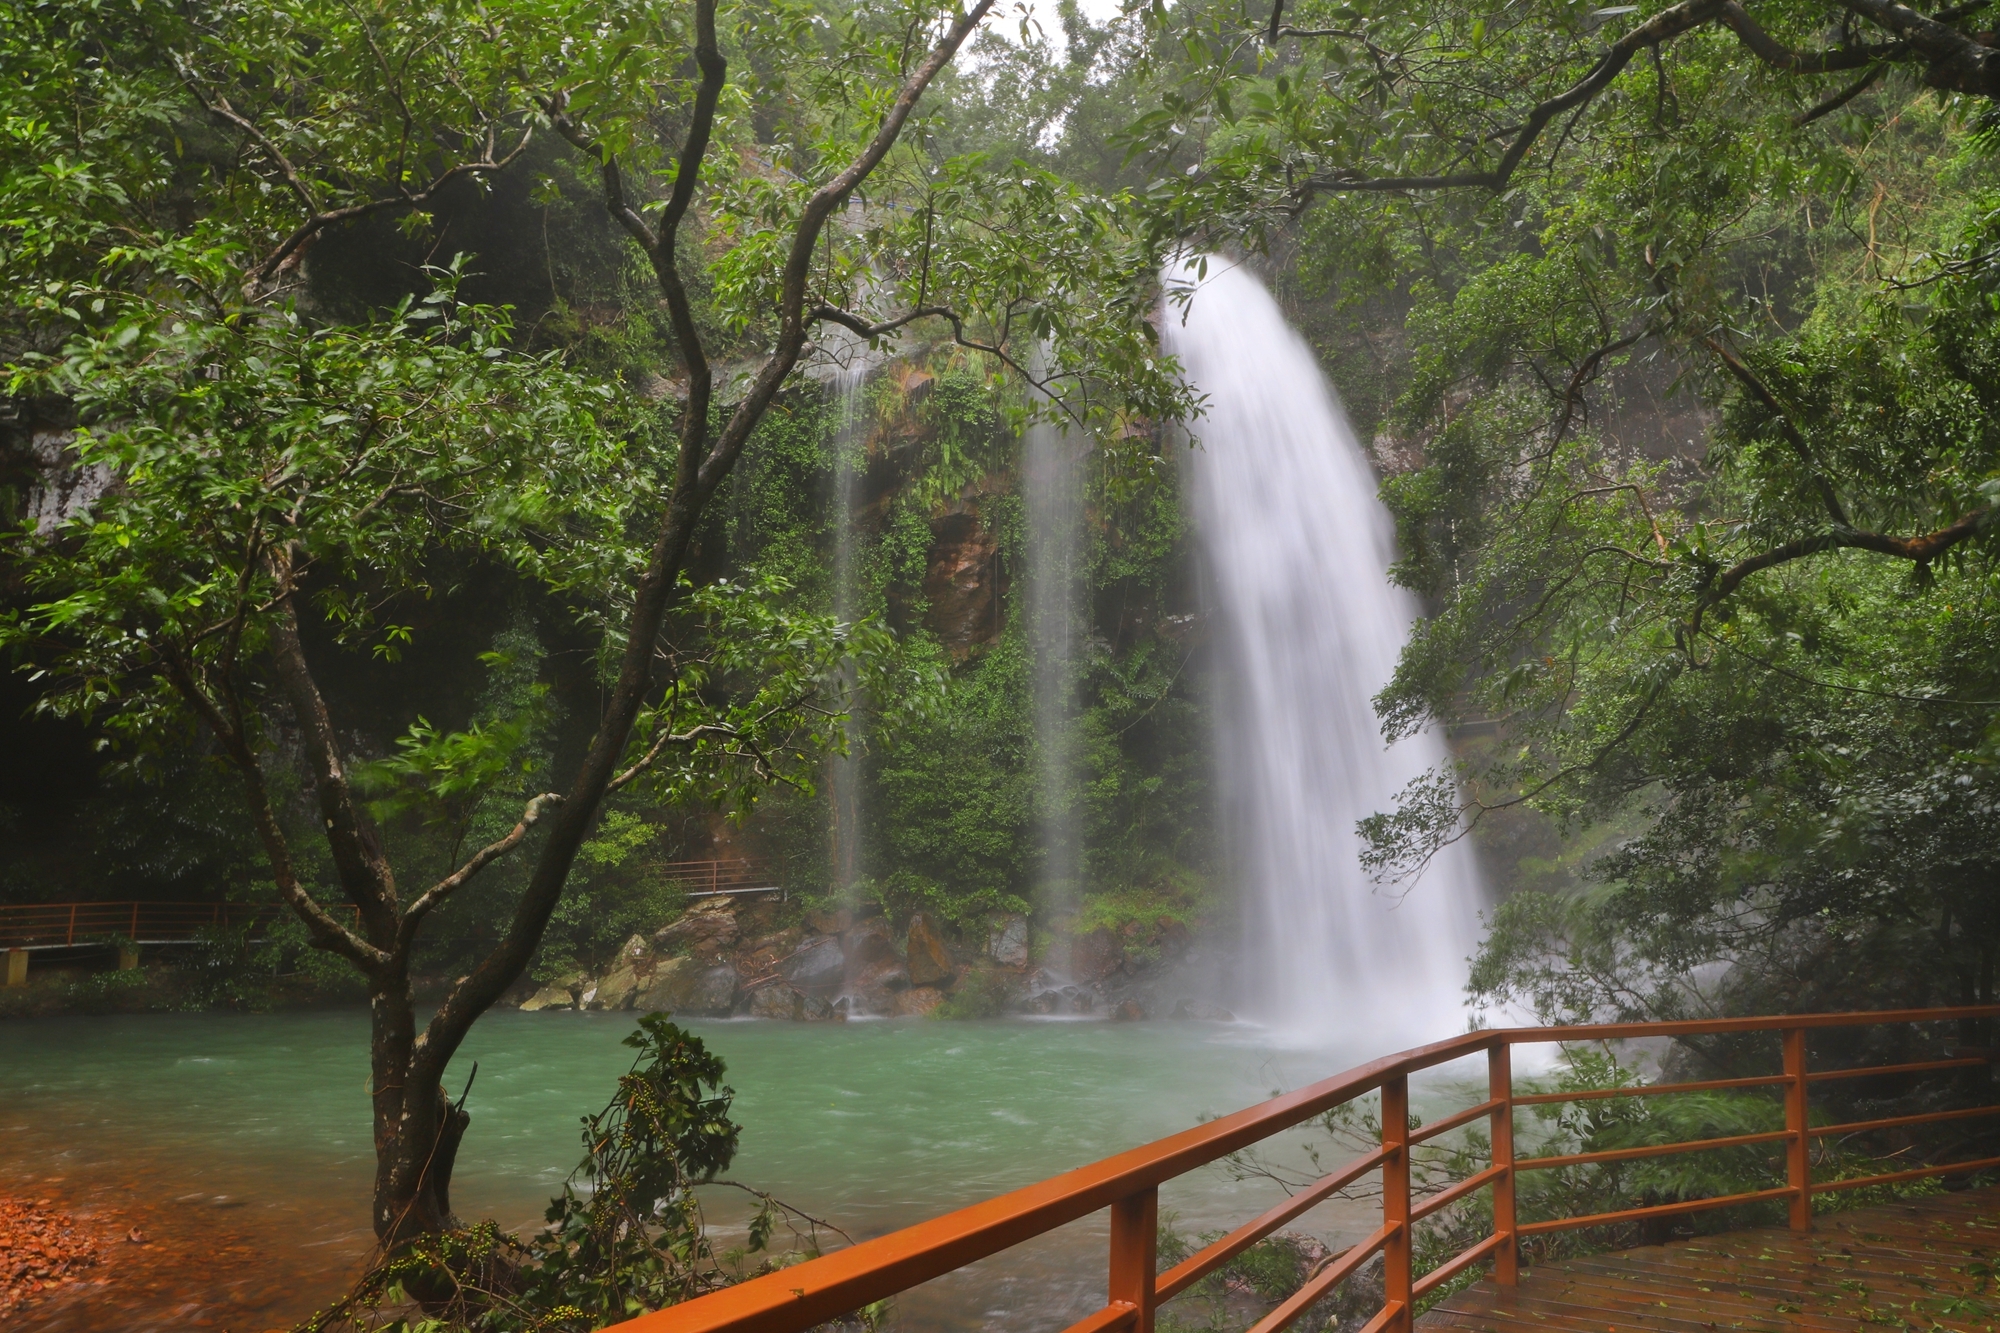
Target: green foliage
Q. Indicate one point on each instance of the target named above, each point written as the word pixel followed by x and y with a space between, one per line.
pixel 625 1236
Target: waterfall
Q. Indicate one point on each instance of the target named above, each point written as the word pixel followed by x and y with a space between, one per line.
pixel 1053 476
pixel 848 377
pixel 1297 549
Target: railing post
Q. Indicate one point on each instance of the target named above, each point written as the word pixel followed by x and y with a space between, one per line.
pixel 1396 1275
pixel 1798 1148
pixel 1135 1238
pixel 1500 1088
pixel 70 938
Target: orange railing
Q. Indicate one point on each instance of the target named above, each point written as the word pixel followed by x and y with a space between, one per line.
pixel 62 925
pixel 795 1299
pixel 709 879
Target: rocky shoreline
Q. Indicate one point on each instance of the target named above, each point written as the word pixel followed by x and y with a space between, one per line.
pixel 729 957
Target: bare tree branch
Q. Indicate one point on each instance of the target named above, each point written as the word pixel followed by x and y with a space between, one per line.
pixel 484 857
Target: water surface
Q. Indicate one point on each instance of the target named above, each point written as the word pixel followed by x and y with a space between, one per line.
pixel 243 1139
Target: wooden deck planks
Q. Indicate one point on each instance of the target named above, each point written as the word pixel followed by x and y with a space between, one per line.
pixel 1926 1264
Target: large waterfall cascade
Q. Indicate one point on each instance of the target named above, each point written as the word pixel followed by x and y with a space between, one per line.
pixel 1297 549
pixel 1053 474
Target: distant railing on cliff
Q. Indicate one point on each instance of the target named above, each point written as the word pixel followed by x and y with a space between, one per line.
pixel 794 1299
pixel 713 879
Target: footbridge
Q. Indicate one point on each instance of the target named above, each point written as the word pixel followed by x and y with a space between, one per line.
pixel 1928 1262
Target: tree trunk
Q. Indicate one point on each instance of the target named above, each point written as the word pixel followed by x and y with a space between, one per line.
pixel 417 1129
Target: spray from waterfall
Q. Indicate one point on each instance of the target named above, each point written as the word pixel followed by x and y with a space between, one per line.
pixel 1298 549
pixel 1053 476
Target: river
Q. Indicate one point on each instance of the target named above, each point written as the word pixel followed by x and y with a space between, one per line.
pixel 238 1145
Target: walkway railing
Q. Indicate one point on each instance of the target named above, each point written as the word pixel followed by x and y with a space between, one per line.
pixel 66 925
pixel 795 1299
pixel 714 879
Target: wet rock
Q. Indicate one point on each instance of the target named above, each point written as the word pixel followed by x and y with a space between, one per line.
pixel 767 950
pixel 686 986
pixel 620 986
pixel 1046 1002
pixel 1095 956
pixel 777 1002
pixel 918 1001
pixel 706 929
pixel 664 990
pixel 1203 1012
pixel 818 966
pixel 714 991
pixel 930 957
pixel 868 946
pixel 561 993
pixel 962 584
pixel 1128 1011
pixel 1007 941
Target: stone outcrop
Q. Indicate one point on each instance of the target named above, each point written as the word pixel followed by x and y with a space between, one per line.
pixel 557 994
pixel 1007 941
pixel 962 586
pixel 707 930
pixel 1096 956
pixel 819 966
pixel 621 984
pixel 725 957
pixel 918 1001
pixel 689 985
pixel 929 957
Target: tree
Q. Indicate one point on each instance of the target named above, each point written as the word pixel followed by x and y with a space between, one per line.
pixel 168 175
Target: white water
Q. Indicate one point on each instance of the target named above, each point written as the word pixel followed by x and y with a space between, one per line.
pixel 848 377
pixel 1053 474
pixel 1298 549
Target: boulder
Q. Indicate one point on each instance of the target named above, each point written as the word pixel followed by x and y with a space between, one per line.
pixel 818 966
pixel 868 947
pixel 686 986
pixel 714 991
pixel 1202 1011
pixel 1007 941
pixel 768 951
pixel 706 929
pixel 1095 956
pixel 667 988
pixel 929 956
pixel 553 996
pixel 620 986
pixel 1128 1011
pixel 918 1001
pixel 777 1001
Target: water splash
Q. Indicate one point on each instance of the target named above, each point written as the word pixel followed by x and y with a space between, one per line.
pixel 1298 550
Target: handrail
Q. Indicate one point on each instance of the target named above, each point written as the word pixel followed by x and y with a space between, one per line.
pixel 68 925
pixel 713 879
pixel 795 1299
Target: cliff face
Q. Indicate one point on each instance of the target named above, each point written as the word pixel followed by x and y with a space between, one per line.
pixel 964 588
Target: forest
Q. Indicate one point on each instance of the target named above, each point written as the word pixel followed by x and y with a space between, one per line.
pixel 466 466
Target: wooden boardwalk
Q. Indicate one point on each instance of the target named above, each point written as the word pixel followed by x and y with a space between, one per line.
pixel 1927 1264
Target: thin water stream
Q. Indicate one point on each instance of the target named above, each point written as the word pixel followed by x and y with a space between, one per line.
pixel 242 1142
